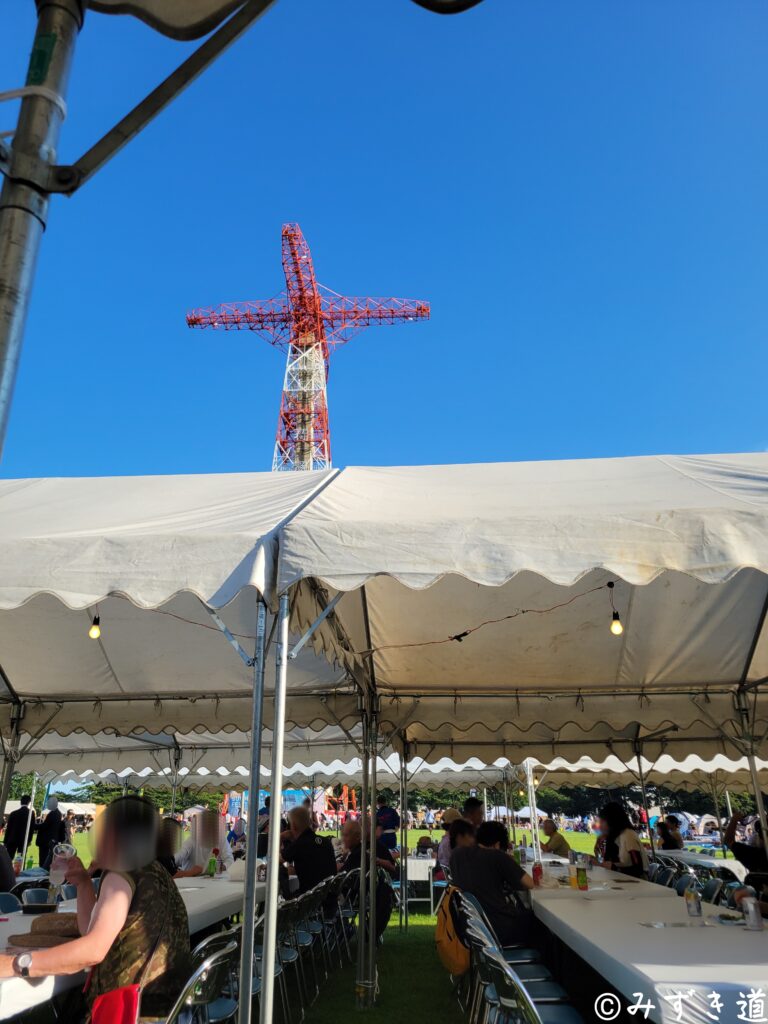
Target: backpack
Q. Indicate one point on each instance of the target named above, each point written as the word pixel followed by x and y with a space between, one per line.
pixel 453 954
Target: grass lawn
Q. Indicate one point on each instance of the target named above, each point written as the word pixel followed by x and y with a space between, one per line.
pixel 412 981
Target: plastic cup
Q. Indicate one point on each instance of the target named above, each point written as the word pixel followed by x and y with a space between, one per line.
pixel 62 853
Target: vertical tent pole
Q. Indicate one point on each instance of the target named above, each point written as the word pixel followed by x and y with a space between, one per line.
pixel 641 776
pixel 404 852
pixel 362 899
pixel 728 806
pixel 175 782
pixel 535 837
pixel 403 857
pixel 717 813
pixel 266 1008
pixel 749 742
pixel 24 208
pixel 373 873
pixel 11 755
pixel 252 836
pixel 506 796
pixel 29 822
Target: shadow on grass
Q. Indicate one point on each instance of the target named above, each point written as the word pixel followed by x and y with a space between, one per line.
pixel 411 981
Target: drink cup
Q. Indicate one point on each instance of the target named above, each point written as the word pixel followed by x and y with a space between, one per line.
pixel 582 881
pixel 62 854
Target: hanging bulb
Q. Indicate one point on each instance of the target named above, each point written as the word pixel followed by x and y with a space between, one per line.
pixel 95 631
pixel 616 627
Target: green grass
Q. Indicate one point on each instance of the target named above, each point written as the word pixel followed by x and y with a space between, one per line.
pixel 412 981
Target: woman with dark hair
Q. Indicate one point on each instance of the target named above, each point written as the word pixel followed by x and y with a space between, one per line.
pixel 623 849
pixel 666 840
pixel 135 932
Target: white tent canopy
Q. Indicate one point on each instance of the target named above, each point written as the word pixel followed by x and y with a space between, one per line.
pixel 188 752
pixel 463 584
pixel 150 556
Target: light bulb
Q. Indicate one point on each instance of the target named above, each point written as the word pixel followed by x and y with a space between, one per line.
pixel 616 627
pixel 95 631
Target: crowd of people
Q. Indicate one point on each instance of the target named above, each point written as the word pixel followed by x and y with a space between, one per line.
pixel 137 856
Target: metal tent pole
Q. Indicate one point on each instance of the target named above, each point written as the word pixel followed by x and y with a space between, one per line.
pixel 362 914
pixel 373 873
pixel 252 836
pixel 266 1008
pixel 11 754
pixel 24 207
pixel 749 741
pixel 404 855
pixel 717 813
pixel 403 838
pixel 506 793
pixel 535 837
pixel 728 807
pixel 29 822
pixel 641 776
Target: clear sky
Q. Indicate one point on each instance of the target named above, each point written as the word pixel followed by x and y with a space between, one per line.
pixel 579 189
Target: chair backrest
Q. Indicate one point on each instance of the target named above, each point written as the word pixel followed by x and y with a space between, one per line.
pixel 9 903
pixel 350 887
pixel 665 876
pixel 685 882
pixel 35 896
pixel 653 869
pixel 710 893
pixel 213 943
pixel 206 982
pixel 515 1005
pixel 69 892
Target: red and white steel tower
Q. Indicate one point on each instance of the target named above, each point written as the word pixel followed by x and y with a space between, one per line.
pixel 307 321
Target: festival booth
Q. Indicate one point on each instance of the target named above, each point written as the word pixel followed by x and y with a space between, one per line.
pixel 520 610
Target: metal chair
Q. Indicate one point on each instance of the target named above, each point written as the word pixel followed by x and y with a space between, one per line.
pixel 653 869
pixel 35 896
pixel 711 890
pixel 685 882
pixel 9 904
pixel 665 876
pixel 202 994
pixel 514 1002
pixel 68 892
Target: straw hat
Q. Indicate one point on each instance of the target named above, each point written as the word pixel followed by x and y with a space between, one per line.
pixel 450 816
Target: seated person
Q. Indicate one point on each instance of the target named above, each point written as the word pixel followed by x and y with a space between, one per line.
pixel 207 835
pixel 753 857
pixel 138 908
pixel 461 833
pixel 352 835
pixel 473 811
pixel 556 843
pixel 673 824
pixel 622 848
pixel 310 856
pixel 444 846
pixel 488 873
pixel 666 840
pixel 236 835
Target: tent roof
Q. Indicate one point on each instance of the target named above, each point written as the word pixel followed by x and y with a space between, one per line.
pixel 482 581
pixel 147 537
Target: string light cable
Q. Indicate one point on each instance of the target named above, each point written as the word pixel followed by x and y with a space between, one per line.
pixel 616 625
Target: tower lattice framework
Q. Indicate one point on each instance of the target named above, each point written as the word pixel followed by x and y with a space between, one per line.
pixel 307 321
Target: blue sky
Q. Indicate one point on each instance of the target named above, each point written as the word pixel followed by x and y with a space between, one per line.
pixel 579 189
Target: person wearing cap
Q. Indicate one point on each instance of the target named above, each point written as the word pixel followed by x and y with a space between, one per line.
pixel 444 846
pixel 556 843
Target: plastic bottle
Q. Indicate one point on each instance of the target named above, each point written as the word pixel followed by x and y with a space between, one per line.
pixel 693 901
pixel 212 861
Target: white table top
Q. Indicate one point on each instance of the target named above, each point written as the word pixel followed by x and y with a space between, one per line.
pixel 705 860
pixel 207 900
pixel 609 933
